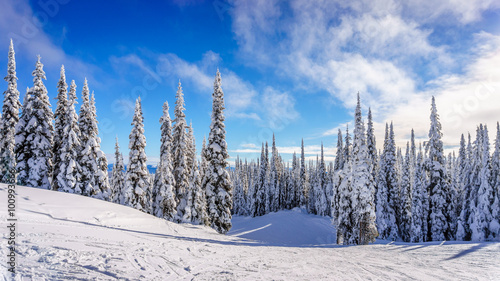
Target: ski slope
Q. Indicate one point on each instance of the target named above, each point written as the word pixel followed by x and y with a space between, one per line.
pixel 65 236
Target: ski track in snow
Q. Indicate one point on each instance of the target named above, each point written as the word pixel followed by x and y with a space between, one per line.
pixel 63 236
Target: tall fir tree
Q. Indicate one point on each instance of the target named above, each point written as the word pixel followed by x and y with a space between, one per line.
pixel 418 219
pixel 137 181
pixel 164 202
pixel 387 192
pixel 406 188
pixel 364 227
pixel 59 127
pixel 8 120
pixel 439 228
pixel 303 179
pixel 23 145
pixel 35 135
pixel 216 181
pixel 339 157
pixel 180 153
pixel 117 176
pixel 88 132
pixel 69 169
pixel 101 179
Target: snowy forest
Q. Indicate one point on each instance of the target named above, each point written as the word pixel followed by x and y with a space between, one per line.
pixel 416 196
pixel 61 151
pixel 413 194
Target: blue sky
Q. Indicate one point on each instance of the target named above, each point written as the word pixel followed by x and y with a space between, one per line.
pixel 288 67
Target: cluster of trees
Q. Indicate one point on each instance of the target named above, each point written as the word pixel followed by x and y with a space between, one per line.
pixel 61 151
pixel 420 195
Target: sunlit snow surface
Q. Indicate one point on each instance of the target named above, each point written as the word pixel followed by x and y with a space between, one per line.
pixel 65 236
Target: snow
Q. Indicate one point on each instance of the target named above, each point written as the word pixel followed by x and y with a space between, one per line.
pixel 69 236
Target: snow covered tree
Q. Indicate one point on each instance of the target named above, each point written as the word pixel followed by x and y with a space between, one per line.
pixel 260 185
pixel 371 145
pixel 216 180
pixel 274 193
pixel 23 145
pixel 482 218
pixel 164 203
pixel 406 188
pixel 137 181
pixel 465 158
pixel 387 192
pixel 180 146
pixel 8 120
pixel 495 183
pixel 418 219
pixel 344 217
pixel 68 168
pixel 59 127
pixel 117 176
pixel 339 158
pixel 199 211
pixel 101 179
pixel 438 223
pixel 362 185
pixel 88 132
pixel 34 135
pixel 303 179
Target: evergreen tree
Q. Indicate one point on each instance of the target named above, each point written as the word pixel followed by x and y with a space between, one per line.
pixel 199 212
pixel 339 158
pixel 69 170
pixel 101 180
pixel 180 153
pixel 88 133
pixel 364 229
pixel 23 145
pixel 406 188
pixel 137 173
pixel 260 190
pixel 438 223
pixel 495 183
pixel 418 219
pixel 387 192
pixel 117 176
pixel 34 137
pixel 8 120
pixel 303 179
pixel 59 127
pixel 371 145
pixel 216 181
pixel 164 203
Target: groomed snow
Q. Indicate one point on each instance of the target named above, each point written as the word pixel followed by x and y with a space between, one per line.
pixel 63 236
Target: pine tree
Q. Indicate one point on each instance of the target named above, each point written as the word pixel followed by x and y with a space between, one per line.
pixel 274 192
pixel 199 212
pixel 303 179
pixel 364 229
pixel 59 127
pixel 260 190
pixel 371 145
pixel 339 158
pixel 438 223
pixel 117 176
pixel 101 180
pixel 406 188
pixel 164 202
pixel 344 218
pixel 466 165
pixel 137 173
pixel 8 120
pixel 481 216
pixel 88 132
pixel 216 181
pixel 38 132
pixel 495 183
pixel 180 153
pixel 418 219
pixel 69 170
pixel 23 145
pixel 387 192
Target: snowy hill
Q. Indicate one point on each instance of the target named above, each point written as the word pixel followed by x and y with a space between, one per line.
pixel 62 236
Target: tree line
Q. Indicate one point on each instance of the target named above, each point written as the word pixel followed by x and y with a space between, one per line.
pixel 61 151
pixel 415 196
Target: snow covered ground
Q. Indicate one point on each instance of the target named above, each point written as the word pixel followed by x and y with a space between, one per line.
pixel 62 236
